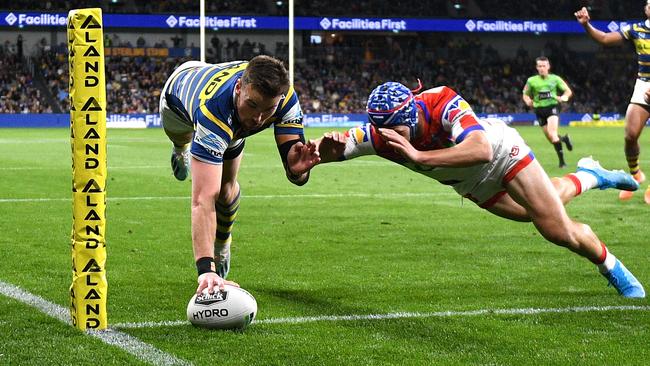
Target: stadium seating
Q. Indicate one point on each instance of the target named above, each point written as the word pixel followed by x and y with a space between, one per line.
pixel 331 79
pixel 330 76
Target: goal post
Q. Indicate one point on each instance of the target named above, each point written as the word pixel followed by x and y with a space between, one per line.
pixel 89 286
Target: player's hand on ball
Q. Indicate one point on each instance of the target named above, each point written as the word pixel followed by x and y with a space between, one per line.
pixel 582 16
pixel 212 282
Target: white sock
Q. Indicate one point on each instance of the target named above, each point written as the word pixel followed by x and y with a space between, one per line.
pixel 608 264
pixel 587 180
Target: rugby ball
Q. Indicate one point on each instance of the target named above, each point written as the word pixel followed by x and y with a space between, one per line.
pixel 230 308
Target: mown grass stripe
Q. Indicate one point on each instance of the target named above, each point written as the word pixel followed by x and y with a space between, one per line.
pixel 130 344
pixel 253 196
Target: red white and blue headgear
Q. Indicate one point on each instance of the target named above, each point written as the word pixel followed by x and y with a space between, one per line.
pixel 392 104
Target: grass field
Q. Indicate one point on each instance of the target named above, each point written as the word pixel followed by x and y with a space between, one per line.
pixel 362 238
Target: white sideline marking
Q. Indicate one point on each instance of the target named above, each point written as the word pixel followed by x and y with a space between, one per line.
pixel 130 344
pixel 404 315
pixel 254 196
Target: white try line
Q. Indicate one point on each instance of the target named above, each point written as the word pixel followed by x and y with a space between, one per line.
pixel 404 315
pixel 244 196
pixel 130 344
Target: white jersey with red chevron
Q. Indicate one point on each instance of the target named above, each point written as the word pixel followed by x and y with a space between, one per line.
pixel 448 120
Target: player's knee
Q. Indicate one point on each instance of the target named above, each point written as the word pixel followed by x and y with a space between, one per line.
pixel 586 229
pixel 229 190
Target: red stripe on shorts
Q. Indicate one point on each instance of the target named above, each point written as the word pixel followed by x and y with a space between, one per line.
pixel 492 200
pixel 521 164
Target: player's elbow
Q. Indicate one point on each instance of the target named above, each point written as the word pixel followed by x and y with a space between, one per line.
pixel 482 148
pixel 485 153
pixel 610 39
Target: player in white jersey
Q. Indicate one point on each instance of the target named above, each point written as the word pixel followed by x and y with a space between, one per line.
pixel 437 134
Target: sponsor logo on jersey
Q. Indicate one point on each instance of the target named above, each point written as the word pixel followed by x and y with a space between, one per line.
pixel 360 134
pixel 293 121
pixel 220 78
pixel 213 143
pixel 455 108
pixel 514 151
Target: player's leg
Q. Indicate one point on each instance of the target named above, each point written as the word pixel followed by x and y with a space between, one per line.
pixel 179 133
pixel 515 153
pixel 227 206
pixel 179 130
pixel 635 119
pixel 532 189
pixel 589 175
pixel 550 130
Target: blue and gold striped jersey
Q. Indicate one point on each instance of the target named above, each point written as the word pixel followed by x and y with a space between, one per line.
pixel 205 95
pixel 639 34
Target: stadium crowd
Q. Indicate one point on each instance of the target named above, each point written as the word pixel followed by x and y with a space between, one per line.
pixel 18 93
pixel 330 79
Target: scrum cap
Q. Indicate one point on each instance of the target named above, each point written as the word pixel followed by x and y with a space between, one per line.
pixel 392 104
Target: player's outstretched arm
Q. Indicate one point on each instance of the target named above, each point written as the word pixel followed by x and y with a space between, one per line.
pixel 331 146
pixel 301 158
pixel 606 39
pixel 474 149
pixel 298 158
pixel 206 185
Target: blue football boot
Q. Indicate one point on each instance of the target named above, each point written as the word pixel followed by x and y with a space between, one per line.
pixel 608 178
pixel 624 281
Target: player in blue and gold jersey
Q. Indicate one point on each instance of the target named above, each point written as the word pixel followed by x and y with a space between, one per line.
pixel 638 111
pixel 207 111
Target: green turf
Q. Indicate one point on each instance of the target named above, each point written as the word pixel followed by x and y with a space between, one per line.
pixel 362 237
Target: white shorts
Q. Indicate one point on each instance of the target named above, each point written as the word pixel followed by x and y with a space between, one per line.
pixel 640 87
pixel 511 154
pixel 171 121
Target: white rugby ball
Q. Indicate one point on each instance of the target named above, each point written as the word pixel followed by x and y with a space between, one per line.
pixel 231 308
